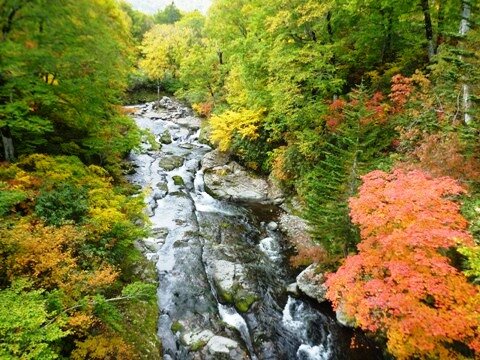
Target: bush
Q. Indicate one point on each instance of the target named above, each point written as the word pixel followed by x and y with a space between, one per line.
pixel 66 202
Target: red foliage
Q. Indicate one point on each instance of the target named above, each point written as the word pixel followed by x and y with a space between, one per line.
pixel 401 90
pixel 400 284
pixel 204 109
pixel 377 109
pixel 336 113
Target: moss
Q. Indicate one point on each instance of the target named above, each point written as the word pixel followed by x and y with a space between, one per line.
pixel 176 327
pixel 243 303
pixel 178 180
pixel 226 296
pixel 140 319
pixel 198 345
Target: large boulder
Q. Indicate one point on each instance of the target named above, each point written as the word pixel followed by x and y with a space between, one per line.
pixel 311 283
pixel 227 180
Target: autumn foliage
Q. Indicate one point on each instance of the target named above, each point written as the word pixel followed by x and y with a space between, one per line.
pixel 401 284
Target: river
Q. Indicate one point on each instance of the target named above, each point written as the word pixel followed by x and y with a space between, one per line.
pixel 221 268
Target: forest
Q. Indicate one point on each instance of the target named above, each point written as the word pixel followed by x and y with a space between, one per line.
pixel 365 112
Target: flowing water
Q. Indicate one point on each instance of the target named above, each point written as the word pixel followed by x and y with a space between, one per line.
pixel 211 255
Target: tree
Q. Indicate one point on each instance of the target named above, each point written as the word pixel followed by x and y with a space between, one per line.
pixel 27 329
pixel 55 60
pixel 170 15
pixel 141 22
pixel 402 283
pixel 356 135
pixel 163 47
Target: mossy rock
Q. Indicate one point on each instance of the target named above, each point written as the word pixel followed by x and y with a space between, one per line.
pixel 226 296
pixel 170 163
pixel 166 138
pixel 140 318
pixel 244 302
pixel 199 345
pixel 176 327
pixel 162 186
pixel 178 180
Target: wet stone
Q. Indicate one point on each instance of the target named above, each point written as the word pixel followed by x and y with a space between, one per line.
pixel 166 138
pixel 170 163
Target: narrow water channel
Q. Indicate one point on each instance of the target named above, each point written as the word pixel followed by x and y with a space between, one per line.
pixel 222 272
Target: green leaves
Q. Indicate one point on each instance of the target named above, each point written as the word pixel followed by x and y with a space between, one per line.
pixel 62 66
pixel 27 330
pixel 63 203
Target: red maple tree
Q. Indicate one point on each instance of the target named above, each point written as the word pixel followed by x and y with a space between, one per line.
pixel 401 284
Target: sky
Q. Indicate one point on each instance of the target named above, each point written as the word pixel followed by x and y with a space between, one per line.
pixel 151 6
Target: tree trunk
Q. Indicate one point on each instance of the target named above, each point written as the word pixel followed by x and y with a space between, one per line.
pixel 329 27
pixel 428 28
pixel 464 27
pixel 387 38
pixel 220 56
pixel 7 142
pixel 465 22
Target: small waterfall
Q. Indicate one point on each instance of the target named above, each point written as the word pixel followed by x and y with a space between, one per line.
pixel 299 318
pixel 234 319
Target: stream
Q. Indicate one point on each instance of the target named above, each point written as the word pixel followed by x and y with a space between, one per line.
pixel 221 266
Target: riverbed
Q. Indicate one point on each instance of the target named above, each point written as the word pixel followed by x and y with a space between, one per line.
pixel 221 266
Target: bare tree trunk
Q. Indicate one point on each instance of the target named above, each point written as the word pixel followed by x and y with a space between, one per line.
pixel 464 27
pixel 7 142
pixel 428 28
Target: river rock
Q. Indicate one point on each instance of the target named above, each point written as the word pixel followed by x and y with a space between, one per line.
pixel 168 103
pixel 311 283
pixel 272 226
pixel 160 191
pixel 197 339
pixel 220 347
pixel 170 163
pixel 229 278
pixel 232 182
pixel 166 138
pixel 214 159
pixel 190 122
pixel 292 289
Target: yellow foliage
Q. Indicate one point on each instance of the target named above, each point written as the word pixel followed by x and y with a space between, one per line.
pixel 163 47
pixel 244 123
pixel 101 347
pixel 278 164
pixel 45 254
pixel 80 322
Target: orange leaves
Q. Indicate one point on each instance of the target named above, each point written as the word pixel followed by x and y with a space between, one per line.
pixel 204 109
pixel 401 90
pixel 400 283
pixel 48 255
